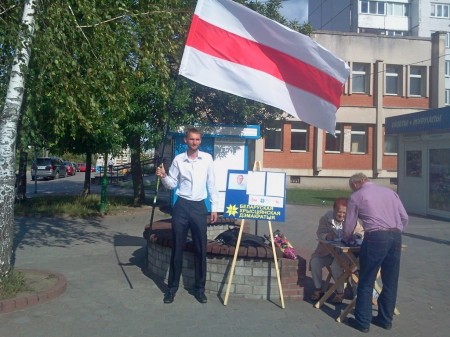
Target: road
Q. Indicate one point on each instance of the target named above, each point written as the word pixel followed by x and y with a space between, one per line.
pixel 72 185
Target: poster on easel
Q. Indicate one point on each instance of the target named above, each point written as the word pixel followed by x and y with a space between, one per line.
pixel 258 195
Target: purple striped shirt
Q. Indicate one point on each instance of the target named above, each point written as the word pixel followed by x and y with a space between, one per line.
pixel 378 208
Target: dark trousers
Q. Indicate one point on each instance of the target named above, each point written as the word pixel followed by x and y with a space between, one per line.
pixel 188 215
pixel 379 249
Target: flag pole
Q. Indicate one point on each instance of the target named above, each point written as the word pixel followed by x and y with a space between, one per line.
pixel 171 104
pixel 149 229
pixel 158 179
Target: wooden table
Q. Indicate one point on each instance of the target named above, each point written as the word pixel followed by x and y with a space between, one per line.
pixel 349 263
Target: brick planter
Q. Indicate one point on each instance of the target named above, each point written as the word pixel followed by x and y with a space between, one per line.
pixel 254 276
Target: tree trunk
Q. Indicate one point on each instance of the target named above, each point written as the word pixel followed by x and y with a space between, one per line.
pixel 8 137
pixel 136 173
pixel 21 182
pixel 87 176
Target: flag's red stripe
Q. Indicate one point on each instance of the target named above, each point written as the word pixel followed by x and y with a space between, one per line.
pixel 228 46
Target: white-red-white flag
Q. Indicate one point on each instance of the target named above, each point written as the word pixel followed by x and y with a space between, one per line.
pixel 234 49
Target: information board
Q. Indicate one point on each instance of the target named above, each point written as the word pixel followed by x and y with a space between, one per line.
pixel 258 195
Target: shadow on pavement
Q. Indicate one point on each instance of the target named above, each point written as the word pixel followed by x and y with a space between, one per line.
pixel 57 232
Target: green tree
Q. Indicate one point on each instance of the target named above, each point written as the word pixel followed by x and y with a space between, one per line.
pixel 156 100
pixel 9 120
pixel 78 78
pixel 102 76
pixel 162 100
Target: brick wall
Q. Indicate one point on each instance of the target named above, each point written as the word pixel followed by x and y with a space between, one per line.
pixel 357 100
pixel 254 276
pixel 406 102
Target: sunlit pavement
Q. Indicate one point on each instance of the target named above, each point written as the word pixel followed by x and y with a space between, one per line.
pixel 109 295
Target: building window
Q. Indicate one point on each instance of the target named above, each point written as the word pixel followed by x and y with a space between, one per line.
pixel 447 68
pixel 390 144
pixel 273 140
pixel 372 7
pixel 360 78
pixel 413 164
pixel 372 31
pixel 334 143
pixel 358 139
pixel 447 40
pixel 396 33
pixel 447 96
pixel 393 79
pixel 396 9
pixel 416 81
pixel 439 179
pixel 299 136
pixel 440 11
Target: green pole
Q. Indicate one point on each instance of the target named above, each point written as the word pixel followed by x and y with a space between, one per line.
pixel 103 203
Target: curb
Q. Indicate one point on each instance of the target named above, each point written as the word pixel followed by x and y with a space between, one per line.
pixel 23 302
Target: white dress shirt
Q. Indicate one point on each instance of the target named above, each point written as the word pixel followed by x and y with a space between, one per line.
pixel 193 177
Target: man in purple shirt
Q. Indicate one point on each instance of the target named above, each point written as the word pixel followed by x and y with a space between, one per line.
pixel 384 218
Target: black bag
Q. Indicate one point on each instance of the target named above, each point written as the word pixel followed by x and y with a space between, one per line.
pixel 230 236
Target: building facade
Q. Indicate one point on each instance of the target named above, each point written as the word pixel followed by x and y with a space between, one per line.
pixel 390 76
pixel 419 18
pixel 424 160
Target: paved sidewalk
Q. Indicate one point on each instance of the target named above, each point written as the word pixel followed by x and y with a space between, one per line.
pixel 109 295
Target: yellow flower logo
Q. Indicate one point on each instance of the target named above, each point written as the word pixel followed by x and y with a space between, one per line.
pixel 232 210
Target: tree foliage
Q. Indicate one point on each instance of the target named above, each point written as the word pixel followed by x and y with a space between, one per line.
pixel 78 78
pixel 10 23
pixel 103 75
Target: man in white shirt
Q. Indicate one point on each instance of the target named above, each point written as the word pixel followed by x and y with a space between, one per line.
pixel 193 173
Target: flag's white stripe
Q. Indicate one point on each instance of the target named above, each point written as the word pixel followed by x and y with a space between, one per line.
pixel 257 85
pixel 244 22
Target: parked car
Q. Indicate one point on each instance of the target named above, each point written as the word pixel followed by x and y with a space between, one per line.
pixel 82 167
pixel 70 170
pixel 48 168
pixel 75 166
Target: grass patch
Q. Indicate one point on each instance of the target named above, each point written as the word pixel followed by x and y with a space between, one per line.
pixel 84 207
pixel 314 197
pixel 12 284
pixel 74 206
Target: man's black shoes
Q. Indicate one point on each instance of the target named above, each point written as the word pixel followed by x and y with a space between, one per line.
pixel 201 297
pixel 354 324
pixel 376 321
pixel 169 297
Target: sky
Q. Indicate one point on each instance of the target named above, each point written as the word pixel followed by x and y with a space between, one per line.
pixel 295 9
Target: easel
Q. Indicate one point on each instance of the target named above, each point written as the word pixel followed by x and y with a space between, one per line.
pixel 256 167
